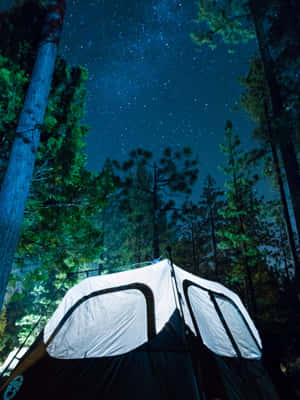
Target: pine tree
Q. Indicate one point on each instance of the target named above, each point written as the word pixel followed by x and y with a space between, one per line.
pixel 3 324
pixel 278 111
pixel 256 102
pixel 18 176
pixel 190 244
pixel 127 220
pixel 64 195
pixel 278 246
pixel 238 21
pixel 172 174
pixel 60 230
pixel 211 202
pixel 242 231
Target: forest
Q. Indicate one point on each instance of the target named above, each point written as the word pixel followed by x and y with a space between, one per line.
pixel 61 222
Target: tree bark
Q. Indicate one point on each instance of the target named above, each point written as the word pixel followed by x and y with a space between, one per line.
pixel 18 176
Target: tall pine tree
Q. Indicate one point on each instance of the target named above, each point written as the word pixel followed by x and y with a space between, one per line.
pixel 256 102
pixel 238 21
pixel 242 232
pixel 211 201
pixel 174 173
pixel 16 184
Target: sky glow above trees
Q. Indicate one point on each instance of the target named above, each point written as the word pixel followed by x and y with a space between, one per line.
pixel 149 84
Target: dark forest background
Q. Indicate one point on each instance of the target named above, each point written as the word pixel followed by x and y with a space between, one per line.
pixel 128 213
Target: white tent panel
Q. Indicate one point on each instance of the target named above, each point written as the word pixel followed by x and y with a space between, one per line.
pixel 209 324
pixel 99 327
pixel 112 323
pixel 238 329
pixel 216 337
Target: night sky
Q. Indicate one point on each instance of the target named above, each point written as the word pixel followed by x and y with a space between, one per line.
pixel 149 85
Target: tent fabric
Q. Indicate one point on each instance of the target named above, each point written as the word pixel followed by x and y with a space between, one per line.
pixel 172 365
pixel 113 322
pixel 122 336
pixel 114 314
pixel 209 324
pixel 245 379
pixel 160 369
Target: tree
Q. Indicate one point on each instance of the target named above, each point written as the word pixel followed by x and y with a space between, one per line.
pixel 243 231
pixel 16 184
pixel 228 20
pixel 256 102
pixel 3 322
pixel 278 108
pixel 196 239
pixel 127 222
pixel 60 231
pixel 279 251
pixel 172 174
pixel 211 203
pixel 55 242
pixel 239 21
pixel 64 196
pixel 190 244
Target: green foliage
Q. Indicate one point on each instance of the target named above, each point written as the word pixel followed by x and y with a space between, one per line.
pixel 12 90
pixel 60 228
pixel 254 97
pixel 243 234
pixel 138 211
pixel 3 323
pixel 277 32
pixel 190 245
pixel 127 222
pixel 228 20
pixel 64 195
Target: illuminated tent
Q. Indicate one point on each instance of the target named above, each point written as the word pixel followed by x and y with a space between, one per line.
pixel 156 332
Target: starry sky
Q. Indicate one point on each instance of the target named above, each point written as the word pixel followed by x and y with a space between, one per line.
pixel 149 85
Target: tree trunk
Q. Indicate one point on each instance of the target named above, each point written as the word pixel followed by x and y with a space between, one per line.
pixel 138 247
pixel 285 257
pixel 286 215
pixel 195 266
pixel 250 295
pixel 214 242
pixel 286 146
pixel 283 199
pixel 18 176
pixel 155 242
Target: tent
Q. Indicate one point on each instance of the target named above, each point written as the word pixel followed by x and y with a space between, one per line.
pixel 157 332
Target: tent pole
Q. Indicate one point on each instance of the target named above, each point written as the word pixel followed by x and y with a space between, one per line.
pixel 197 374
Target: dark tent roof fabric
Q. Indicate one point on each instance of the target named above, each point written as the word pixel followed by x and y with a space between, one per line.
pixel 113 314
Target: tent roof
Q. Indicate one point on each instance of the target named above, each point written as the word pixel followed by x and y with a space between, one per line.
pixel 113 314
